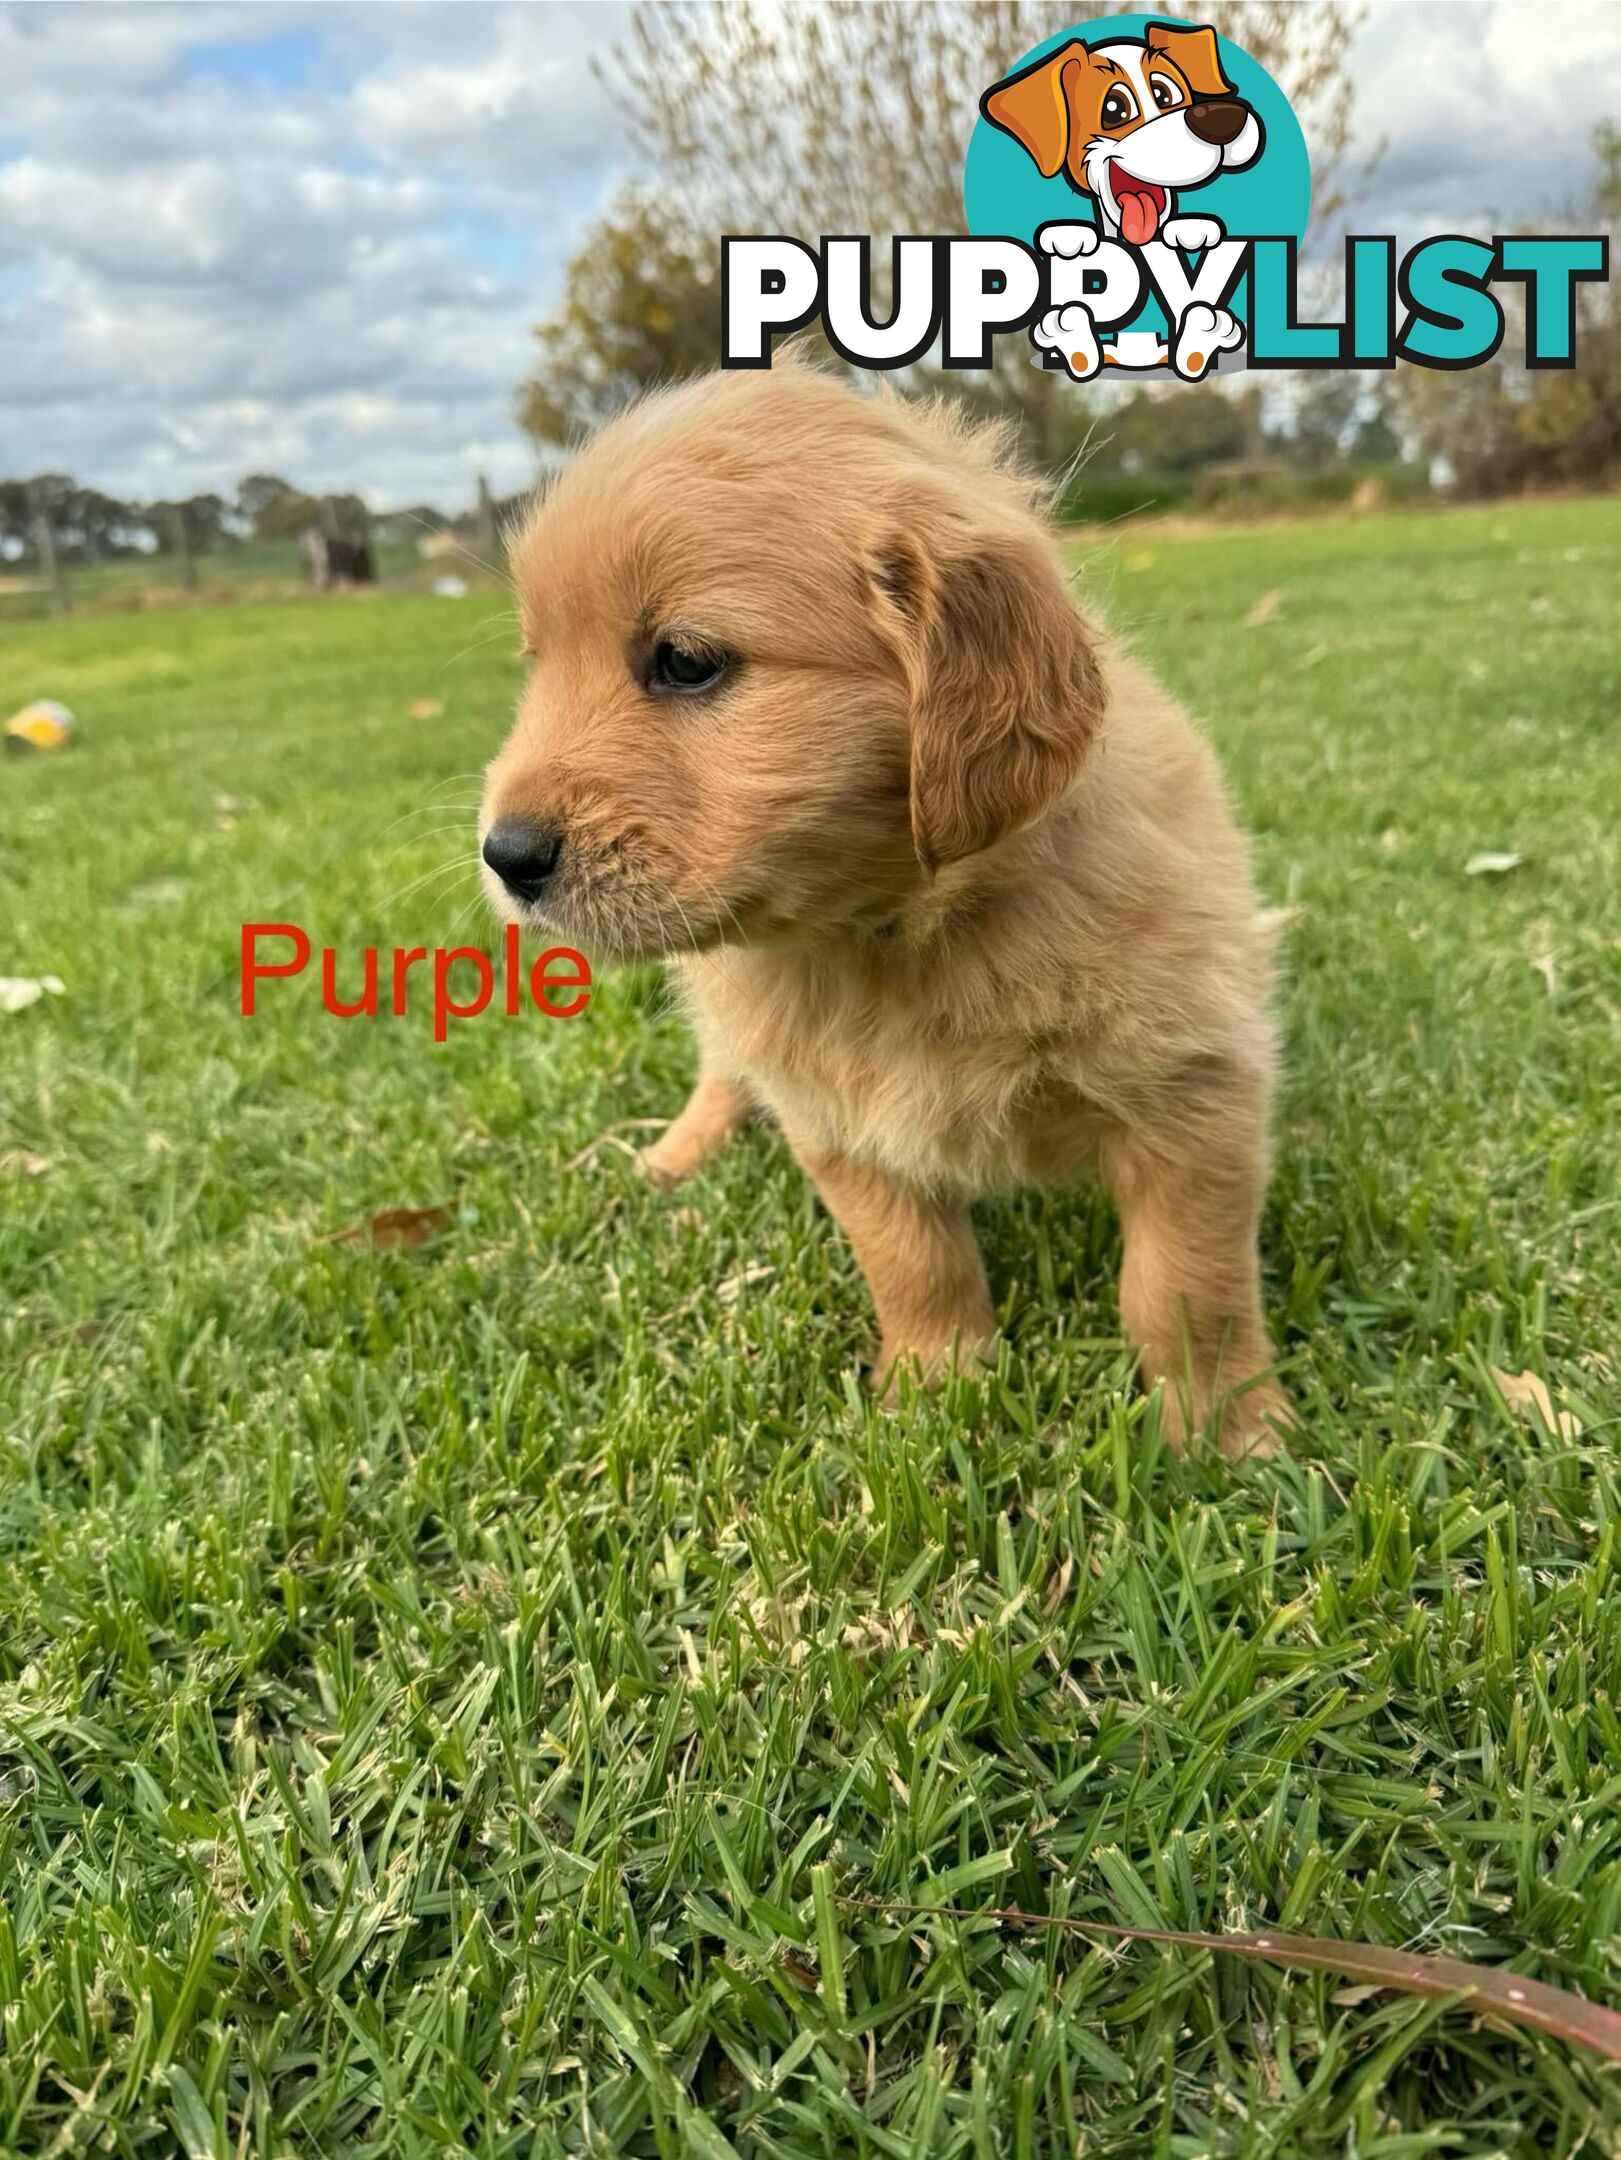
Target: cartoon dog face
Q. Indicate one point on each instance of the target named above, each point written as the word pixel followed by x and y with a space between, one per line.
pixel 1129 122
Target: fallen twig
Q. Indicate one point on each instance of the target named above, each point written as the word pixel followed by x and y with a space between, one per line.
pixel 1491 1990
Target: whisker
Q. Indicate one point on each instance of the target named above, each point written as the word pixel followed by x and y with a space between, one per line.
pixel 466 553
pixel 450 779
pixel 460 822
pixel 398 899
pixel 406 846
pixel 498 627
pixel 477 901
pixel 724 908
pixel 452 813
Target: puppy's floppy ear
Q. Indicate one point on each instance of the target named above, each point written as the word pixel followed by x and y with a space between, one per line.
pixel 1006 693
pixel 1196 53
pixel 1033 107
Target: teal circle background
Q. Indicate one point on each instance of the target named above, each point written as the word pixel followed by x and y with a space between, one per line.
pixel 1004 193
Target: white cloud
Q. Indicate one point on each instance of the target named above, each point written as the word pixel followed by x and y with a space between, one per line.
pixel 287 237
pixel 1485 108
pixel 515 102
pixel 238 225
pixel 46 48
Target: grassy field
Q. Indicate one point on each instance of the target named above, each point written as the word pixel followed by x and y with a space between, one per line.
pixel 447 1692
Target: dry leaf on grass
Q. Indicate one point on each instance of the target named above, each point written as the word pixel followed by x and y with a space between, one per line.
pixel 425 708
pixel 1488 864
pixel 18 992
pixel 610 1138
pixel 394 1226
pixel 1058 1588
pixel 734 1286
pixel 1270 920
pixel 1264 609
pixel 1488 1990
pixel 1527 1396
pixel 157 892
pixel 1544 965
pixel 20 1162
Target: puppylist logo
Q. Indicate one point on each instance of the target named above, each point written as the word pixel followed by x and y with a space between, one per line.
pixel 1138 130
pixel 1136 192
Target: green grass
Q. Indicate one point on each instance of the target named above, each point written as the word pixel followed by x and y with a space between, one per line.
pixel 446 1693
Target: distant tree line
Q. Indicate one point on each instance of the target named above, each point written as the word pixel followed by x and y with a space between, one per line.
pixel 83 525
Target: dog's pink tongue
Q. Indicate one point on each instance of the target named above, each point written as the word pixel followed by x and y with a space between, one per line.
pixel 1139 218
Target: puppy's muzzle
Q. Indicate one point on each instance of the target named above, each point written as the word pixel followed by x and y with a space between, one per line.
pixel 1218 121
pixel 524 855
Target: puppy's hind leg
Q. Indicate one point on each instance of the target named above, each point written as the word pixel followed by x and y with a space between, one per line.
pixel 714 1110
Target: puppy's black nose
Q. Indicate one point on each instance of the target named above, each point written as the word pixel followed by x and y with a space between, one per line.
pixel 523 855
pixel 1218 120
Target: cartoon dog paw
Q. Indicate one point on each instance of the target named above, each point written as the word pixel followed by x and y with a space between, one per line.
pixel 1069 332
pixel 1068 240
pixel 1203 332
pixel 1192 234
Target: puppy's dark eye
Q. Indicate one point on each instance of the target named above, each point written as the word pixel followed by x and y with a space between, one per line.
pixel 678 671
pixel 1166 95
pixel 1119 107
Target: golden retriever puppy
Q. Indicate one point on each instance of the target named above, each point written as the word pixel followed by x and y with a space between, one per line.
pixel 952 887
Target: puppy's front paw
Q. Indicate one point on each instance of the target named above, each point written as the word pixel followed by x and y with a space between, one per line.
pixel 1192 234
pixel 930 1362
pixel 673 1158
pixel 1255 1420
pixel 1258 1422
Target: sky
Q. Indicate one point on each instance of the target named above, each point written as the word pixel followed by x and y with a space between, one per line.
pixel 314 239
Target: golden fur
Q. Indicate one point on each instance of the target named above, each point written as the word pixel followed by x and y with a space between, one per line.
pixel 952 887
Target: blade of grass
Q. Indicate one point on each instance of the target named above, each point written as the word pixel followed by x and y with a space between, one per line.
pixel 829 1949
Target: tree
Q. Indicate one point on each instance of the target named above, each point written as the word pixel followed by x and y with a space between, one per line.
pixel 1174 434
pixel 274 508
pixel 1501 427
pixel 641 304
pixel 823 118
pixel 194 524
pixel 1342 415
pixel 412 522
pixel 16 520
pixel 95 524
pixel 258 493
pixel 85 523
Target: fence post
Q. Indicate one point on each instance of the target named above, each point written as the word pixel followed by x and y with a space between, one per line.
pixel 45 548
pixel 180 541
pixel 489 539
